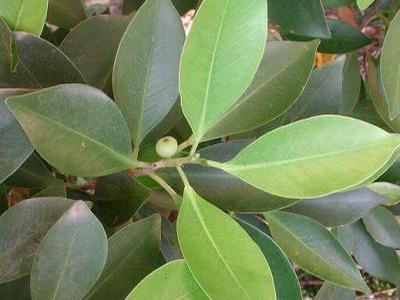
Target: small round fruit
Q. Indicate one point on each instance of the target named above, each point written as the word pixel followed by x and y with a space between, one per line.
pixel 166 147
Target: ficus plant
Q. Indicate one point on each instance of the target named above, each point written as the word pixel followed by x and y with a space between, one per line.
pixel 138 161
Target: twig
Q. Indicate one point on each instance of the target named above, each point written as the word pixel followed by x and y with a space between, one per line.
pixel 370 13
pixel 175 197
pixel 388 294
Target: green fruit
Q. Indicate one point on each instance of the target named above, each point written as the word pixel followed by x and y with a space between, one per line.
pixel 166 147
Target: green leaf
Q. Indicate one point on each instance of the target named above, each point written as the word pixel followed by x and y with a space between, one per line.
pixel 173 281
pixel 339 209
pixel 133 252
pixel 214 184
pixel 300 17
pixel 19 240
pixel 16 289
pixel 33 175
pixel 315 249
pixel 265 100
pixel 66 13
pixel 24 15
pixel 145 75
pixel 383 226
pixel 388 190
pixel 55 189
pixel 92 46
pixel 286 284
pixel 15 147
pixel 332 292
pixel 375 259
pixel 329 163
pixel 390 67
pixel 3 199
pixel 337 3
pixel 206 234
pixel 363 4
pixel 118 197
pixel 217 68
pixel 169 241
pixel 76 143
pixel 38 63
pixel 71 256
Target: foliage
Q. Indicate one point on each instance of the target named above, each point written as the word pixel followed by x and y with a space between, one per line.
pixel 138 163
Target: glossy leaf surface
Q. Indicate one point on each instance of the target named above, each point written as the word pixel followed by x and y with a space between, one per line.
pixel 265 100
pixel 76 143
pixel 173 281
pixel 315 249
pixel 220 58
pixel 20 240
pixel 207 234
pixel 92 46
pixel 145 76
pixel 71 256
pixel 388 190
pixel 133 252
pixel 24 15
pixel 284 162
pixel 390 67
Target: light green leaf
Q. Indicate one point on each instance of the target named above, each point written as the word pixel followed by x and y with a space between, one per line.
pixel 332 292
pixel 390 67
pixel 265 100
pixel 71 256
pixel 76 143
pixel 337 3
pixel 66 13
pixel 24 15
pixel 286 283
pixel 315 249
pixel 173 281
pixel 19 240
pixel 133 252
pixel 388 190
pixel 206 234
pixel 15 147
pixel 305 18
pixel 145 76
pixel 363 4
pixel 34 63
pixel 383 226
pixel 92 46
pixel 220 58
pixel 308 159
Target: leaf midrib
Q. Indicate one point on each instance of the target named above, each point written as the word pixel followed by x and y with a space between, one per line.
pixel 208 234
pixel 116 155
pixel 19 14
pixel 239 167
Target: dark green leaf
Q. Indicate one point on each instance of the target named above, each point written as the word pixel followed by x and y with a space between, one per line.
pixel 383 226
pixel 3 199
pixel 173 281
pixel 265 100
pixel 388 190
pixel 133 252
pixel 66 13
pixel 339 209
pixel 19 240
pixel 76 143
pixel 206 234
pixel 315 249
pixel 300 17
pixel 40 64
pixel 145 75
pixel 375 259
pixel 22 15
pixel 217 68
pixel 55 189
pixel 15 147
pixel 390 67
pixel 169 241
pixel 337 3
pixel 92 46
pixel 285 279
pixel 214 185
pixel 71 256
pixel 328 164
pixel 332 292
pixel 18 289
